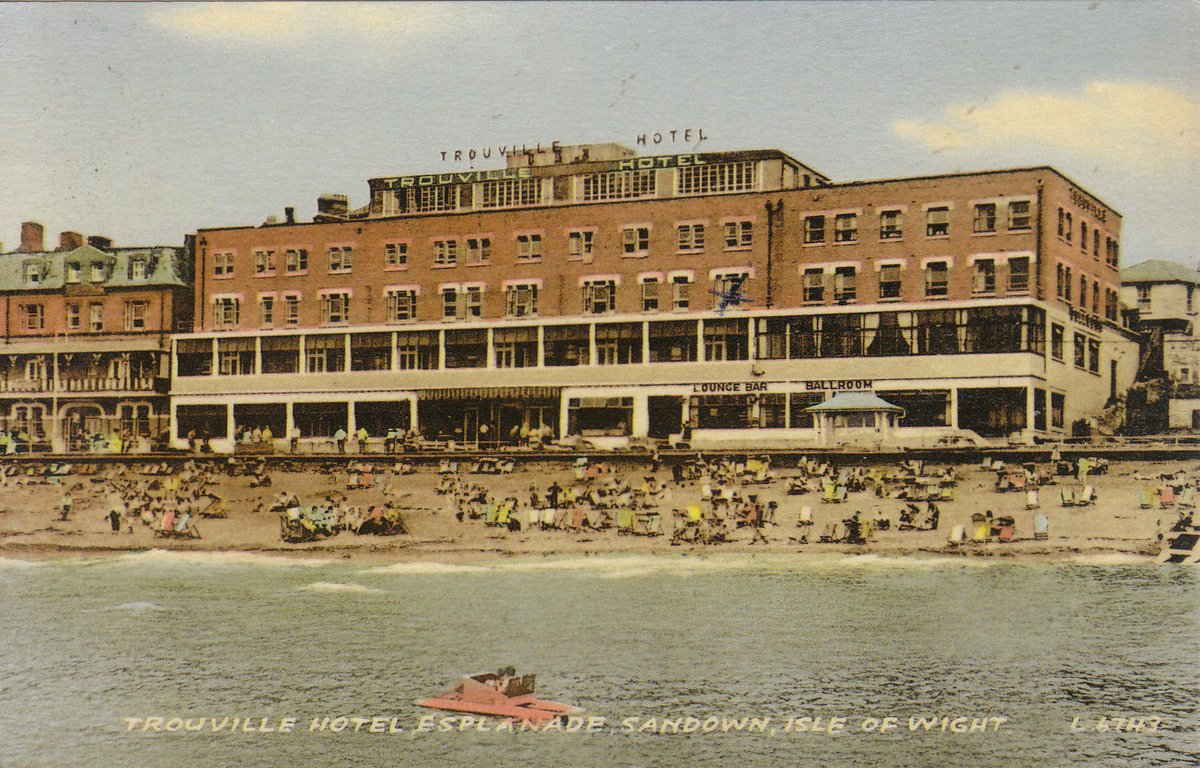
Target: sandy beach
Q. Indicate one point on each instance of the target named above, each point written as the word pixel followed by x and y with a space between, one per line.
pixel 1115 525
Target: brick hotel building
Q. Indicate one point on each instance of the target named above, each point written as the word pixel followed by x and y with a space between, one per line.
pixel 86 340
pixel 579 289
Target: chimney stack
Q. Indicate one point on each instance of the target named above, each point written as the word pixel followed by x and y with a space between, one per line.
pixel 100 242
pixel 31 237
pixel 289 214
pixel 69 241
pixel 333 205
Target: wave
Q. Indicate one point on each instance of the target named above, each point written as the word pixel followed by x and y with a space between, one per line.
pixel 339 588
pixel 16 564
pixel 137 606
pixel 1112 558
pixel 177 557
pixel 425 569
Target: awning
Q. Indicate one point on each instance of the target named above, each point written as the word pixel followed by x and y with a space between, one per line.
pixel 492 393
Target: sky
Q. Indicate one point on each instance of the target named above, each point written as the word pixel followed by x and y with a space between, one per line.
pixel 147 121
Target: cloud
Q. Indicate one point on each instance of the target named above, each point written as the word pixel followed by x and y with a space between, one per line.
pixel 1142 126
pixel 281 23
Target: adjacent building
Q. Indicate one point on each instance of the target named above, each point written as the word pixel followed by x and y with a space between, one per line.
pixel 86 340
pixel 714 297
pixel 1162 300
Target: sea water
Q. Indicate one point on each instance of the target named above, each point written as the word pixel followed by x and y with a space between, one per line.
pixel 162 659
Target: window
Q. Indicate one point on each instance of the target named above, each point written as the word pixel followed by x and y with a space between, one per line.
pixel 681 292
pixel 889 225
pixel 814 229
pixel 1059 281
pixel 1018 215
pixel 291 309
pixel 73 317
pixel 580 243
pixel 599 297
pixel 226 311
pixel 649 294
pixel 814 285
pixel 1056 341
pixel 137 269
pixel 845 228
pixel 716 177
pixel 1058 407
pixel 691 237
pixel 1067 285
pixel 296 260
pixel 1018 274
pixel 985 217
pixel 521 300
pixel 739 234
pixel 72 272
pixel 1093 356
pixel 95 317
pixel 889 281
pixel 395 255
pixel 507 193
pixel 1096 244
pixel 937 222
pixel 529 247
pixel 1143 298
pixel 1096 297
pixel 335 308
pixel 1083 238
pixel 726 285
pixel 445 252
pixel 618 185
pixel 401 305
pixel 1080 351
pixel 844 287
pixel 134 316
pixel 33 272
pixel 1061 224
pixel 461 303
pixel 266 310
pixel 222 265
pixel 635 240
pixel 937 279
pixel 340 259
pixel 985 276
pixel 1069 228
pixel 35 317
pixel 435 199
pixel 1083 291
pixel 479 249
pixel 264 262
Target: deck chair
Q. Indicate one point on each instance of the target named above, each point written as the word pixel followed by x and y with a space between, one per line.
pixel 1145 498
pixel 532 517
pixel 578 518
pixel 503 513
pixel 694 514
pixel 490 513
pixel 1018 482
pixel 352 482
pixel 625 520
pixel 1166 497
pixel 839 494
pixel 366 480
pixel 1187 497
pixel 649 524
pixel 1067 496
pixel 805 516
pixel 1031 499
pixel 1006 533
pixel 1086 496
pixel 1041 527
pixel 548 518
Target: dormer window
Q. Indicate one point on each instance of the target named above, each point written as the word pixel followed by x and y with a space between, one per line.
pixel 137 269
pixel 34 272
pixel 72 272
pixel 97 274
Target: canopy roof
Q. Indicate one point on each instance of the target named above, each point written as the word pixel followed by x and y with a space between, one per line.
pixel 854 401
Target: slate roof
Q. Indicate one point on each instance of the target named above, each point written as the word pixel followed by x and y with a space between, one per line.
pixel 165 266
pixel 1160 271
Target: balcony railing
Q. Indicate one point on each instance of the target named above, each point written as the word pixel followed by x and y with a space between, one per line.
pixel 81 384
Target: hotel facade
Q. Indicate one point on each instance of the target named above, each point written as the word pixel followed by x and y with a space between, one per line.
pixel 86 340
pixel 710 297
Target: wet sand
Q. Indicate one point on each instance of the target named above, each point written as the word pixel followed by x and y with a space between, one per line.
pixel 1115 527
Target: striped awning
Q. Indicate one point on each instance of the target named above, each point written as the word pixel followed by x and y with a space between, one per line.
pixel 492 393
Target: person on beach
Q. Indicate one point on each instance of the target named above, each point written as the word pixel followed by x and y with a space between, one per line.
pixel 339 438
pixel 65 505
pixel 294 439
pixel 114 520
